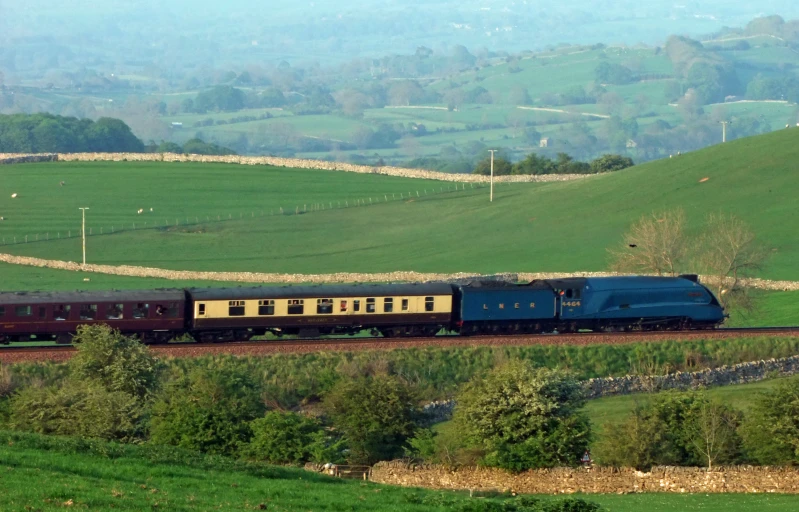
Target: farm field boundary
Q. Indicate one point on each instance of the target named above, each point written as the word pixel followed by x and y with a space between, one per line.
pixel 7 158
pixel 736 479
pixel 339 277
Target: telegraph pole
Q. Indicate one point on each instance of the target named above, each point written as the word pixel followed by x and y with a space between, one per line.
pixel 724 130
pixel 491 197
pixel 83 232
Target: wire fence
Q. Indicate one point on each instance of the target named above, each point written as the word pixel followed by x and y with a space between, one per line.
pixel 196 220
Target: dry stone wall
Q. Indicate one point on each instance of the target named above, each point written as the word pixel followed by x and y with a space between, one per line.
pixel 738 479
pixel 723 376
pixel 293 163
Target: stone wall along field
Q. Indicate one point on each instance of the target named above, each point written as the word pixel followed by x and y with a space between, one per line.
pixel 738 479
pixel 286 162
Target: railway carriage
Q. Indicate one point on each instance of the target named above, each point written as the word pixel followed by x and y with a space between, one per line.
pixel 154 315
pixel 309 311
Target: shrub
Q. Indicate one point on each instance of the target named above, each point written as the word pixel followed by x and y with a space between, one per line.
pixel 207 410
pixel 117 362
pixel 375 414
pixel 524 417
pixel 675 428
pixel 79 409
pixel 289 438
pixel 771 430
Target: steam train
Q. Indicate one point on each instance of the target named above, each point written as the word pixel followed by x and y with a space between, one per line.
pixel 599 304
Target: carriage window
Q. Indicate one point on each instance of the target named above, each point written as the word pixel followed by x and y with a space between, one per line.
pixel 356 305
pixel 42 312
pixel 405 304
pixel 296 306
pixel 61 312
pixel 201 309
pixel 141 310
pixel 114 312
pixel 235 308
pixel 2 311
pixel 23 311
pixel 370 305
pixel 324 306
pixel 429 304
pixel 343 307
pixel 388 305
pixel 266 307
pixel 88 311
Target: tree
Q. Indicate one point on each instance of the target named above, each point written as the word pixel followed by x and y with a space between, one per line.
pixel 375 414
pixel 117 362
pixel 519 96
pixel 288 438
pixel 208 410
pixel 615 74
pixel 525 417
pixel 729 251
pixel 111 378
pixel 502 167
pixel 674 429
pixel 655 244
pixel 771 430
pixel 610 163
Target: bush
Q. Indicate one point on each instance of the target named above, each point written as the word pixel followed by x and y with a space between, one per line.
pixel 771 431
pixel 114 361
pixel 674 429
pixel 375 414
pixel 207 410
pixel 524 417
pixel 288 438
pixel 78 409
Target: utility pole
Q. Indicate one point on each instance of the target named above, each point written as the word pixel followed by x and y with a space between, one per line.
pixel 83 232
pixel 724 130
pixel 491 197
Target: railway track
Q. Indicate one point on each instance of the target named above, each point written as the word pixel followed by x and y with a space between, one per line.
pixel 18 353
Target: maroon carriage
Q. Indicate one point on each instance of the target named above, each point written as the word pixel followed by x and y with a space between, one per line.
pixel 153 315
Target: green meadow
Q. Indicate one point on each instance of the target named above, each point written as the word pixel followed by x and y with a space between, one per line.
pixel 563 226
pixel 40 473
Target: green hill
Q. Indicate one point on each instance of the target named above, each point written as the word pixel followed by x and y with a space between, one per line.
pixel 564 226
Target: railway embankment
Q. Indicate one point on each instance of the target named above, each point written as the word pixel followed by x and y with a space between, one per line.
pixel 296 163
pixel 734 479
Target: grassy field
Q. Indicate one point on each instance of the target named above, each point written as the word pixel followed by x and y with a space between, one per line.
pixel 50 474
pixel 615 409
pixel 529 227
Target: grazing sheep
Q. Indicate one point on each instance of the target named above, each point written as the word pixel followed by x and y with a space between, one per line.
pixel 140 210
pixel 13 195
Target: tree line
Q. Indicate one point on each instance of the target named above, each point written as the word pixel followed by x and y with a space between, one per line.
pixel 562 164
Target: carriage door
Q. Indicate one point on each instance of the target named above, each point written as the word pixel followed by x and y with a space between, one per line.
pixel 571 303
